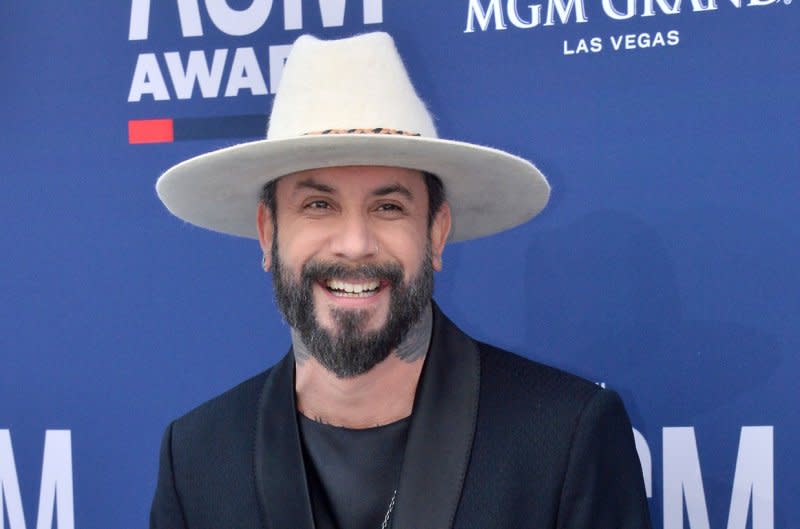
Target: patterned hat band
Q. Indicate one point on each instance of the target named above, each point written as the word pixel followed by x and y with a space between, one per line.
pixel 378 130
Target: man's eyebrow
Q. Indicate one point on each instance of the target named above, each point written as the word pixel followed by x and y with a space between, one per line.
pixel 394 188
pixel 312 184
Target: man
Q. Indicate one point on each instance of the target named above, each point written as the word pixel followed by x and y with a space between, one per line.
pixel 384 414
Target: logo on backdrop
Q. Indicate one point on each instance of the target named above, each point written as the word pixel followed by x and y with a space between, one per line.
pixel 169 75
pixel 499 15
pixel 55 492
pixel 752 494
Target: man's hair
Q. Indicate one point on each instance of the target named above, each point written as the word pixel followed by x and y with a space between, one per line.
pixel 436 196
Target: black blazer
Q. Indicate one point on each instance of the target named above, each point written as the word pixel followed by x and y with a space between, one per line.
pixel 495 441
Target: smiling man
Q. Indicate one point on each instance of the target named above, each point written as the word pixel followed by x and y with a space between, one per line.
pixel 383 414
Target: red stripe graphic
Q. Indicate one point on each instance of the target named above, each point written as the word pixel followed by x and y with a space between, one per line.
pixel 150 131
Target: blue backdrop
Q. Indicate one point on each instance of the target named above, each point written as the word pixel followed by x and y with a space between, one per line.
pixel 665 265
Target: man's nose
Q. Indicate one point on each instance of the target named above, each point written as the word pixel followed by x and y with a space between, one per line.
pixel 354 238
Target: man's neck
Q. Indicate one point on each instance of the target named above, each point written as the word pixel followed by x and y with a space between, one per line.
pixel 382 395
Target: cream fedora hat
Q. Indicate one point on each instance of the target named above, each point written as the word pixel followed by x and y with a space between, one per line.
pixel 351 102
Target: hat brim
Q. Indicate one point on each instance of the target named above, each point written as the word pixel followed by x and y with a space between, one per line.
pixel 488 190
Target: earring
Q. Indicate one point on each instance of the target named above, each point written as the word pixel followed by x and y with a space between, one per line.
pixel 264 263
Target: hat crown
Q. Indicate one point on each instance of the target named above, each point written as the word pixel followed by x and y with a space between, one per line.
pixel 354 83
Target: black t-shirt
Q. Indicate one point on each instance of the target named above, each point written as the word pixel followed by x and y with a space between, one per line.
pixel 351 473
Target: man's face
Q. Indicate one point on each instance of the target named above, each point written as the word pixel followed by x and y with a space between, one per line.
pixel 352 259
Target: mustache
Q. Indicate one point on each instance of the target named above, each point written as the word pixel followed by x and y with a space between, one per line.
pixel 320 271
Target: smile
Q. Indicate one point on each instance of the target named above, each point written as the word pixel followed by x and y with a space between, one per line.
pixel 352 289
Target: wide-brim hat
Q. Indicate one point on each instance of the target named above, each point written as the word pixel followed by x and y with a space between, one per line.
pixel 350 102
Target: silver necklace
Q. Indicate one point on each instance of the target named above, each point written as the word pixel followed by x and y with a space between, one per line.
pixel 386 518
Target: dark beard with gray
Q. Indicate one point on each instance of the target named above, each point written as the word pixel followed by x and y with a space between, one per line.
pixel 351 351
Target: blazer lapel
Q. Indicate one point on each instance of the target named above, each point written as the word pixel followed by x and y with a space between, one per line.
pixel 279 470
pixel 441 431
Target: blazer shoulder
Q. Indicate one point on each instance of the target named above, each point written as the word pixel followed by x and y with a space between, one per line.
pixel 207 458
pixel 516 377
pixel 229 412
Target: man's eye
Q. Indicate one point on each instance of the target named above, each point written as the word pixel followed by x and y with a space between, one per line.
pixel 389 207
pixel 318 204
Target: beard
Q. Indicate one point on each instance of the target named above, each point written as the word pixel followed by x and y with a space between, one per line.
pixel 351 350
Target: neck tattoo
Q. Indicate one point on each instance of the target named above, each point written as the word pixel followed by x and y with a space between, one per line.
pixel 413 347
pixel 418 338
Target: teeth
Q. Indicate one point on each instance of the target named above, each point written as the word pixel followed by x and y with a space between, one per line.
pixel 352 288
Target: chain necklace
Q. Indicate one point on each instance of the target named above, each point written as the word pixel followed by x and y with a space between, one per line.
pixel 386 518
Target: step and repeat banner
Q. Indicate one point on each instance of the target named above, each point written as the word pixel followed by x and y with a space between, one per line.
pixel 665 267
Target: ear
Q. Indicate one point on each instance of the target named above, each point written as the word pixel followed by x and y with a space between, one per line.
pixel 440 230
pixel 265 233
